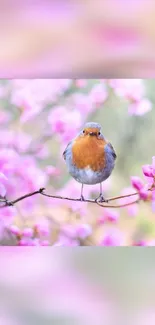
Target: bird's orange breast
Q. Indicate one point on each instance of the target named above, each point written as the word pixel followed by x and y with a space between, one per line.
pixel 89 152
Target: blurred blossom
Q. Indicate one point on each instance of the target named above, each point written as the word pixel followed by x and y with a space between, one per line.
pixel 31 95
pixel 108 215
pixel 111 215
pixel 83 231
pixel 42 228
pixel 98 94
pixel 133 90
pixel 81 83
pixel 27 232
pixel 144 106
pixel 15 230
pixel 64 123
pixel 114 37
pixel 140 243
pixel 53 171
pixel 66 241
pixel 83 104
pixel 113 237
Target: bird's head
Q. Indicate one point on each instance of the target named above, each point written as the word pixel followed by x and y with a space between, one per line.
pixel 92 130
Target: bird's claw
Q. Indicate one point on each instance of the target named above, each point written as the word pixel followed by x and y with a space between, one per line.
pixel 101 199
pixel 82 198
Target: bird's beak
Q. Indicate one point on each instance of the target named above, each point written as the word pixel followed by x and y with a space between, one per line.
pixel 92 133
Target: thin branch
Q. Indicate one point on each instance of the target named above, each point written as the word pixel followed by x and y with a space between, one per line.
pixel 103 205
pixel 119 205
pixel 97 202
pixel 122 196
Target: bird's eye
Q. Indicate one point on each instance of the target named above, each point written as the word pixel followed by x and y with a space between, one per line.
pixel 83 131
pixel 99 133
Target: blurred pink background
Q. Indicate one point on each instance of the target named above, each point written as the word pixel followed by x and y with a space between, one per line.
pixel 96 287
pixel 111 38
pixel 38 117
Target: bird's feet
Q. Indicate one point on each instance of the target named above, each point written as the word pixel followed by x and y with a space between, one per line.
pixel 82 198
pixel 101 199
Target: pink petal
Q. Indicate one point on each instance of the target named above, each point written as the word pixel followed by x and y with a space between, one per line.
pixel 137 183
pixel 147 170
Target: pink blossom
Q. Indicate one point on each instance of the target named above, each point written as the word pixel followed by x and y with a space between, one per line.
pixel 147 170
pixel 98 94
pixel 29 242
pixel 27 232
pixel 22 141
pixel 31 96
pixel 131 89
pixel 144 194
pixel 81 83
pixel 140 243
pixel 137 183
pixel 83 104
pixel 14 230
pixel 69 231
pixel 7 214
pixel 42 228
pixel 111 215
pixel 101 220
pixel 140 108
pixel 64 122
pixel 25 242
pixel 83 231
pixel 52 171
pixel 66 241
pixel 44 243
pixel 112 238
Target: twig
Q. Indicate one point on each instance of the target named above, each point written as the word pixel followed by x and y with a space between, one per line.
pixel 41 192
pixel 122 196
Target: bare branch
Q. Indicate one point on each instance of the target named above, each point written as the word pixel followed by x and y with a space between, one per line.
pixel 41 191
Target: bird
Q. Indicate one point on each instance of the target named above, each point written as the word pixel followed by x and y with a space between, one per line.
pixel 90 158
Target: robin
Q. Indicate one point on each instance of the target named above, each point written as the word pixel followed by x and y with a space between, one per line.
pixel 90 158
